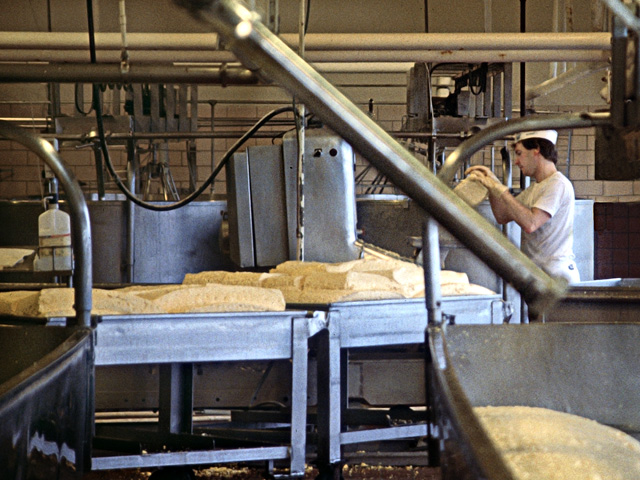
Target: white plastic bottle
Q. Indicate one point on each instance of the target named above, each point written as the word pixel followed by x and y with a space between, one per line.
pixel 54 232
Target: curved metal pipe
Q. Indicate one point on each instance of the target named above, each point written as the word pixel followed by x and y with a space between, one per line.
pixel 262 51
pixel 80 226
pixel 509 127
pixel 566 78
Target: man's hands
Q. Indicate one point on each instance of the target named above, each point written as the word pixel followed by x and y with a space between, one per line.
pixel 485 176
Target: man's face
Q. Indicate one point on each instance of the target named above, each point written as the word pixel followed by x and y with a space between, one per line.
pixel 525 159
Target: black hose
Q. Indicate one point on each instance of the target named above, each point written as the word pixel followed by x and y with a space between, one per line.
pixel 202 188
pixel 92 33
pixel 105 151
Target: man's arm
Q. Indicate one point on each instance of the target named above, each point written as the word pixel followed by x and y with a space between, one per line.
pixel 505 207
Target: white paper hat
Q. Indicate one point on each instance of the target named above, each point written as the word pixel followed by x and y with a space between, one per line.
pixel 550 135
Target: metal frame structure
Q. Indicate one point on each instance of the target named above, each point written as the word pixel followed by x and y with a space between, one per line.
pixel 122 340
pixel 382 323
pixel 198 338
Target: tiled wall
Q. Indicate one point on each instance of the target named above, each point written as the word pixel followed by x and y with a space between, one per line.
pixel 20 169
pixel 617 240
pixel 617 220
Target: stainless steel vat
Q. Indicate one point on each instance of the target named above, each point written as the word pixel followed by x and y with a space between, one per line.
pixel 610 300
pixel 45 401
pixel 584 369
pixel 165 245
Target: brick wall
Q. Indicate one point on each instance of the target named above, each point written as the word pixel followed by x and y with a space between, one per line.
pixel 617 240
pixel 616 208
pixel 20 169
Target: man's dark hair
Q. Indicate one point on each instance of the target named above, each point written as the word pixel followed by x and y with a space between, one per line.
pixel 547 149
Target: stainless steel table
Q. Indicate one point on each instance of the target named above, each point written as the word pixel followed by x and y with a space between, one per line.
pixel 176 342
pixel 376 324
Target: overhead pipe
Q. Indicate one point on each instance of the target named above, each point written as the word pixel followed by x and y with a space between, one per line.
pixel 260 49
pixel 315 41
pixel 80 226
pixel 317 56
pixel 112 73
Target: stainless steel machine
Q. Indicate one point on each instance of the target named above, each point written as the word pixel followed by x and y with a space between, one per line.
pixel 263 200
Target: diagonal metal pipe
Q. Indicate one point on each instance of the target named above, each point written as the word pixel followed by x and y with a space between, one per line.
pixel 622 11
pixel 80 226
pixel 260 50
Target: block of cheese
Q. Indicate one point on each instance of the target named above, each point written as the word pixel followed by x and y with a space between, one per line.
pixel 449 276
pixel 295 267
pixel 221 298
pixel 203 278
pixel 150 292
pixel 342 266
pixel 58 302
pixel 55 302
pixel 252 279
pixel 538 443
pixel 379 264
pixel 320 296
pixel 280 280
pixel 17 302
pixel 319 282
pixel 351 281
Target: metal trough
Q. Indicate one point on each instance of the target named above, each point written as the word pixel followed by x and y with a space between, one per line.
pixel 584 369
pixel 45 401
pixel 609 301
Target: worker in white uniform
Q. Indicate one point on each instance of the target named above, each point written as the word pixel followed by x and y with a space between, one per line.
pixel 544 210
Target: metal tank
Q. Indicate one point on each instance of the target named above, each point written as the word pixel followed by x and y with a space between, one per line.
pixel 149 247
pixel 45 401
pixel 528 365
pixel 613 300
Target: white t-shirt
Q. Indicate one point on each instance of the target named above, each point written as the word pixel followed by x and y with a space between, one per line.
pixel 551 246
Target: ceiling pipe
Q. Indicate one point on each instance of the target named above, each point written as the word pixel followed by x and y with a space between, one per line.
pixel 314 56
pixel 315 41
pixel 103 73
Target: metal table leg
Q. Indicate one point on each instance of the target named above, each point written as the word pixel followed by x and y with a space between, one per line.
pixel 176 398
